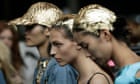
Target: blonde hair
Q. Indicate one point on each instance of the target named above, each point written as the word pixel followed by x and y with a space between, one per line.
pixel 5 62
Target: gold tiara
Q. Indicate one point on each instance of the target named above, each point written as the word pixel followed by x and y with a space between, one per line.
pixel 43 13
pixel 95 17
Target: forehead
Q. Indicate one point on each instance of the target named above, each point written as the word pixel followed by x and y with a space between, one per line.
pixel 80 37
pixel 7 31
pixel 56 35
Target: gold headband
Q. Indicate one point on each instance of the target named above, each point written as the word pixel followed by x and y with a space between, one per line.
pixel 94 17
pixel 39 13
pixel 67 19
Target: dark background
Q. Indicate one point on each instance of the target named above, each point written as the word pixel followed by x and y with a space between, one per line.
pixel 11 9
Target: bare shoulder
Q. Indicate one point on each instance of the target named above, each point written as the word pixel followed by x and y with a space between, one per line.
pixel 101 79
pixel 138 74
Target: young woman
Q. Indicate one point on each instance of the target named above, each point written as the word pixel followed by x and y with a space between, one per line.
pixel 7 71
pixel 10 37
pixel 104 36
pixel 44 15
pixel 66 51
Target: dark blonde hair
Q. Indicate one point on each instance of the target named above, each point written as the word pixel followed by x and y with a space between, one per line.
pixel 16 58
pixel 5 63
pixel 65 24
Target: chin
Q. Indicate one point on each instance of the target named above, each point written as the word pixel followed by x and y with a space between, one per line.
pixel 30 44
pixel 62 64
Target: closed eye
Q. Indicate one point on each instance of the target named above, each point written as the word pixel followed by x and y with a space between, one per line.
pixel 83 45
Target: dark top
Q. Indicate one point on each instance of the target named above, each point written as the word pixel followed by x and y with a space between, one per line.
pixel 99 74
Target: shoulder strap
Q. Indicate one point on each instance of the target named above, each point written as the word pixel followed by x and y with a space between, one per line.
pixel 96 74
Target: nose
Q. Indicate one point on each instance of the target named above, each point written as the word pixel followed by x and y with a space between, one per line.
pixel 53 51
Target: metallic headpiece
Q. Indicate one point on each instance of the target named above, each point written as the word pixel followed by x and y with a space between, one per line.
pixel 95 17
pixel 43 13
pixel 67 19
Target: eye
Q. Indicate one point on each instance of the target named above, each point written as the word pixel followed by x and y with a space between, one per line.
pixel 83 45
pixel 57 44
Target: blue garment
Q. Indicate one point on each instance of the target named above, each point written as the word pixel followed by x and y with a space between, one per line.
pixel 127 75
pixel 2 79
pixel 56 74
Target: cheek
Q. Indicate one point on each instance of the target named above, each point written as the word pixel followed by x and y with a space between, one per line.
pixel 106 50
pixel 67 53
pixel 8 42
pixel 37 38
pixel 97 51
pixel 93 48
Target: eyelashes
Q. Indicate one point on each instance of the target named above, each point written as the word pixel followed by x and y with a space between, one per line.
pixel 83 45
pixel 56 44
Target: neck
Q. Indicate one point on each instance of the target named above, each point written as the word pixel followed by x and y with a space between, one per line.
pixel 122 55
pixel 84 65
pixel 43 49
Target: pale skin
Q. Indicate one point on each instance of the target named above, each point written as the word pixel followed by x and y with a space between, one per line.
pixel 82 61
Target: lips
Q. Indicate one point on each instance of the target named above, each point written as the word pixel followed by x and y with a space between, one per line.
pixel 27 38
pixel 58 60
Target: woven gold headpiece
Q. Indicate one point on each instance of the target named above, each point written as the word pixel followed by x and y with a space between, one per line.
pixel 95 17
pixel 43 13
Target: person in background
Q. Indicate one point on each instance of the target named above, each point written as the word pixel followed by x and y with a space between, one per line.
pixel 104 35
pixel 30 56
pixel 9 36
pixel 39 19
pixel 133 25
pixel 7 71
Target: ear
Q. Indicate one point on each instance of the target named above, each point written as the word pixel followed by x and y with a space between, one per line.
pixel 47 32
pixel 105 34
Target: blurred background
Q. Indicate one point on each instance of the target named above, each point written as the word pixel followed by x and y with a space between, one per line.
pixel 11 9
